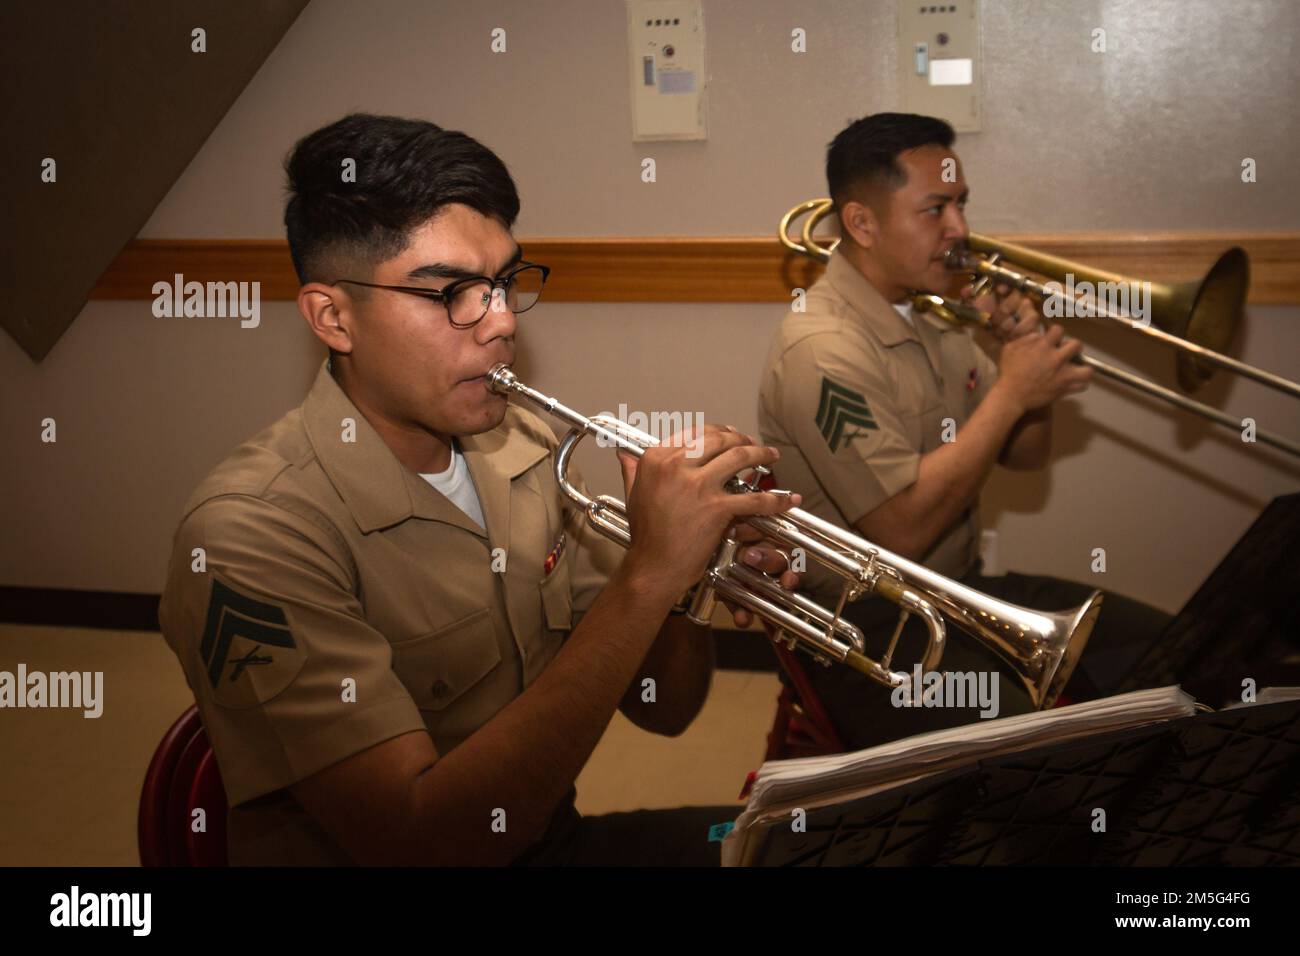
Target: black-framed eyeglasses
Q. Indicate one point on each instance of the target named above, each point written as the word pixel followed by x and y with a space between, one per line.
pixel 468 300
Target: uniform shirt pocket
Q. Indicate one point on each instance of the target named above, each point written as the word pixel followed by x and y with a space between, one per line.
pixel 557 597
pixel 438 668
pixel 925 429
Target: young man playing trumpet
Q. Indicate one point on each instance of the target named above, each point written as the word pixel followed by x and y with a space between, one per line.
pixel 890 421
pixel 403 641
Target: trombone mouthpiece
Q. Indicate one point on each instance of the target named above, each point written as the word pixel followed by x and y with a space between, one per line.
pixel 958 259
pixel 501 379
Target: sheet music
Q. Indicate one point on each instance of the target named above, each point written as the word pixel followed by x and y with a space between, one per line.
pixel 1269 695
pixel 781 785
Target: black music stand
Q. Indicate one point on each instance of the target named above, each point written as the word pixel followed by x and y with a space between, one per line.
pixel 1244 621
pixel 1217 789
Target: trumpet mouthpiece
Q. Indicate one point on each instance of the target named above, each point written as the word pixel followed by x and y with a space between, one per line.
pixel 501 379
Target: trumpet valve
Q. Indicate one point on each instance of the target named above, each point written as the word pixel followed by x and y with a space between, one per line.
pixel 754 482
pixel 705 598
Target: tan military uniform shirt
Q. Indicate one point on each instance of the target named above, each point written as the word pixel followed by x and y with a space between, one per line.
pixel 338 601
pixel 853 396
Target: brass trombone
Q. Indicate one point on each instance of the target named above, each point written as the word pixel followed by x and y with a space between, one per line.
pixel 1041 648
pixel 1196 318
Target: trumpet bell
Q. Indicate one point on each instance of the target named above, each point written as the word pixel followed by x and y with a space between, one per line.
pixel 1056 660
pixel 1041 648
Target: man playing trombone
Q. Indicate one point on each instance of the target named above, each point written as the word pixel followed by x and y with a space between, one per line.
pixel 889 421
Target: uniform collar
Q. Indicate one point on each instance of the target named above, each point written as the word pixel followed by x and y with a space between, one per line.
pixel 872 307
pixel 380 491
pixel 495 458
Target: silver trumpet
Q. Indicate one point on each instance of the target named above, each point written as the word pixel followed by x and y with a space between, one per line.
pixel 1041 648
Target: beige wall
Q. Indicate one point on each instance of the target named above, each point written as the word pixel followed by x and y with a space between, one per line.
pixel 1147 137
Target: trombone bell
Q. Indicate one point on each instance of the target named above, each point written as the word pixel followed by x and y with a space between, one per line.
pixel 1205 313
pixel 1215 311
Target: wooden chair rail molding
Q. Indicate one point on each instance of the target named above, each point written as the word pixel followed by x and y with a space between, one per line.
pixel 690 269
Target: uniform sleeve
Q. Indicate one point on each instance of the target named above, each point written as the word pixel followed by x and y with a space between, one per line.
pixel 837 405
pixel 596 557
pixel 288 675
pixel 986 371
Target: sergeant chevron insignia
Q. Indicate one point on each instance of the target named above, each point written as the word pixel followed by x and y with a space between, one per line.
pixel 247 648
pixel 841 414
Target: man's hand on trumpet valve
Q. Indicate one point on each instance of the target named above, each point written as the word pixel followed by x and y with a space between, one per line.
pixel 679 508
pixel 762 555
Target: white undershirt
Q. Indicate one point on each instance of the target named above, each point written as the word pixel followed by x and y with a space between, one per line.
pixel 458 486
pixel 905 310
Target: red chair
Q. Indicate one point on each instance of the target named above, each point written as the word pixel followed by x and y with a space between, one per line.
pixel 802 728
pixel 209 847
pixel 181 777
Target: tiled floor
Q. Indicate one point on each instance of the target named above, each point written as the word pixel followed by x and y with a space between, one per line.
pixel 70 787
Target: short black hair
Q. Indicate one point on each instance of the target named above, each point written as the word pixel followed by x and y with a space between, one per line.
pixel 865 153
pixel 405 171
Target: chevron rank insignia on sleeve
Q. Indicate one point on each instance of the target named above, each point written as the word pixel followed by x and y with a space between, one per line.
pixel 247 648
pixel 842 414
